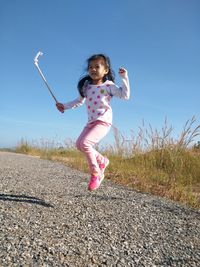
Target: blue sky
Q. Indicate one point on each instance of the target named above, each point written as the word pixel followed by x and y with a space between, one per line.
pixel 157 41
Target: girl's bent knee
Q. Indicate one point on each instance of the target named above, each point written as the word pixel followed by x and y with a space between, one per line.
pixel 83 146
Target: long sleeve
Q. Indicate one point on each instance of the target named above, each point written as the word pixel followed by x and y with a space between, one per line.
pixel 75 103
pixel 123 91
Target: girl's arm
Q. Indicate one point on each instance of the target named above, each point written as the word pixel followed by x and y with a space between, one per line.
pixel 75 103
pixel 124 90
pixel 70 105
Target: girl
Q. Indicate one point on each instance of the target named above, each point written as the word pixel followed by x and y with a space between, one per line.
pixel 96 89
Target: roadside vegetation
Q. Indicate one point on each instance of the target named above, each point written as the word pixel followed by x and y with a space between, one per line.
pixel 150 160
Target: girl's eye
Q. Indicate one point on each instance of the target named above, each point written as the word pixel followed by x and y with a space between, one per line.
pixel 94 67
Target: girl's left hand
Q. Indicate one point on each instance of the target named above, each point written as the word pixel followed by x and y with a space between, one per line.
pixel 122 72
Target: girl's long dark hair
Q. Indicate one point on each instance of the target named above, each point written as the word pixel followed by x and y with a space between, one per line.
pixel 109 76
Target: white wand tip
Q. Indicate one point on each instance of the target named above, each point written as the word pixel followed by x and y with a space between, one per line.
pixel 37 56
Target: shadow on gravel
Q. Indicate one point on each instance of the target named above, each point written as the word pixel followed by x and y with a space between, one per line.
pixel 26 199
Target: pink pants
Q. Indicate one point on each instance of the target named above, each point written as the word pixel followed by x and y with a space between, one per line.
pixel 90 136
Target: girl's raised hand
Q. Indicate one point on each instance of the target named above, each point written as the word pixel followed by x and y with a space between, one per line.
pixel 60 107
pixel 122 72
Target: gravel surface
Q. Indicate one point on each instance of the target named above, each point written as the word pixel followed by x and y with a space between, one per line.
pixel 49 218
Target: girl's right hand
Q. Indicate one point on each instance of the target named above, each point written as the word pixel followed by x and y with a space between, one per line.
pixel 60 107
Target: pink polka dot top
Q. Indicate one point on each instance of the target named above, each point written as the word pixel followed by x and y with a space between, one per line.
pixel 98 102
pixel 97 99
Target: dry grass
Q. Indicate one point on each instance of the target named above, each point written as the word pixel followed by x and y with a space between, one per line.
pixel 150 161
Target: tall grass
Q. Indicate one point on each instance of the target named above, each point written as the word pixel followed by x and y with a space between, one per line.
pixel 151 160
pixel 154 161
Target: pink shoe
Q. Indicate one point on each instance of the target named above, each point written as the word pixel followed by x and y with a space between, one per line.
pixel 94 183
pixel 102 168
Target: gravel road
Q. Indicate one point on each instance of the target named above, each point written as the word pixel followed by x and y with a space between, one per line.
pixel 49 218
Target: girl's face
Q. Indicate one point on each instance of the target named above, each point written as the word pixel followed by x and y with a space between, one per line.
pixel 97 70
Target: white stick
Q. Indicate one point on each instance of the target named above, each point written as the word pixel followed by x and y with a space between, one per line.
pixel 42 75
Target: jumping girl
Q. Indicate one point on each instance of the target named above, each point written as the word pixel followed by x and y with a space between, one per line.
pixel 96 90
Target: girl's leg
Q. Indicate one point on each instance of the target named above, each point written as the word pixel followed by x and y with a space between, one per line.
pixel 90 136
